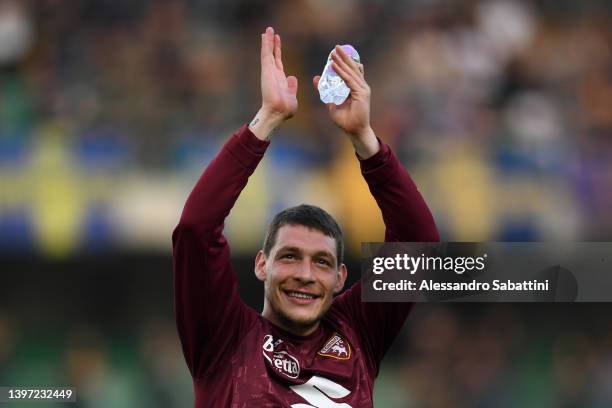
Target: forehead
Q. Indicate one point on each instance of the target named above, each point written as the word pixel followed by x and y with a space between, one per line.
pixel 305 238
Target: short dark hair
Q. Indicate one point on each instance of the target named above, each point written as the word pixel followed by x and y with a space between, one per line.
pixel 309 216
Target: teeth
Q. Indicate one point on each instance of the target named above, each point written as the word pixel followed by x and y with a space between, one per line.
pixel 300 295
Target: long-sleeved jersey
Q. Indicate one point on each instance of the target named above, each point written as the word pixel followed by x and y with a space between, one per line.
pixel 237 358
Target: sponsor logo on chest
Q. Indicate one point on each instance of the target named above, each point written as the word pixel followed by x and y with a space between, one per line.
pixel 280 360
pixel 336 347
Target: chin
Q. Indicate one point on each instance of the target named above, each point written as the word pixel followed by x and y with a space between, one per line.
pixel 300 318
pixel 306 317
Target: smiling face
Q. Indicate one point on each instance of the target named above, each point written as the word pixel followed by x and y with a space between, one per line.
pixel 300 275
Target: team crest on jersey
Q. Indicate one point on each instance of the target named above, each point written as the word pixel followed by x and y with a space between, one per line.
pixel 336 347
pixel 280 360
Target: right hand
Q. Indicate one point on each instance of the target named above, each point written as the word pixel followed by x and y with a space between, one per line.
pixel 278 91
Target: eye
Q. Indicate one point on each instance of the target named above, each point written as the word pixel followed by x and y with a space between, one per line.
pixel 288 256
pixel 323 262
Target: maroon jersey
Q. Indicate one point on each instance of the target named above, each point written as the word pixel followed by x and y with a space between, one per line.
pixel 236 357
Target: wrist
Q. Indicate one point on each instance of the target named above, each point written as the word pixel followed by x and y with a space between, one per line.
pixel 264 123
pixel 365 143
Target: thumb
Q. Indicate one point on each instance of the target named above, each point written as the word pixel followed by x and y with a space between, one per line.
pixel 292 84
pixel 315 81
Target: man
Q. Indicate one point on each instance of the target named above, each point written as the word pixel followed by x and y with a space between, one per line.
pixel 306 349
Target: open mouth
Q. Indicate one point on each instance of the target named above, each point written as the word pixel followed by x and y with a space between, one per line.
pixel 300 297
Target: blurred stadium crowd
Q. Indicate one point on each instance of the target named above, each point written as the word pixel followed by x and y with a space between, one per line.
pixel 109 110
pixel 500 109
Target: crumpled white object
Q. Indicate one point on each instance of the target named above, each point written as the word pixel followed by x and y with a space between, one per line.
pixel 332 88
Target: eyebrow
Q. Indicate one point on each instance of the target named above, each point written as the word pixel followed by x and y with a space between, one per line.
pixel 316 253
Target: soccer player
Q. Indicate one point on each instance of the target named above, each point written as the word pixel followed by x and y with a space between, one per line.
pixel 307 348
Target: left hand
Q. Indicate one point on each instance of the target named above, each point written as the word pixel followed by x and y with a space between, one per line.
pixel 353 116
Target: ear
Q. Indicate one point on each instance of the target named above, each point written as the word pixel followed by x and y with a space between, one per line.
pixel 260 266
pixel 342 274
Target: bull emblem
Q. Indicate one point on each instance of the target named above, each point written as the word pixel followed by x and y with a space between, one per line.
pixel 337 348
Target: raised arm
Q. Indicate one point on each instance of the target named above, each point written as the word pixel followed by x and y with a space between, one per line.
pixel 406 216
pixel 404 211
pixel 207 307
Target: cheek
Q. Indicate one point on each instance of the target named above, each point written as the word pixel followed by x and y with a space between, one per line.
pixel 329 281
pixel 275 276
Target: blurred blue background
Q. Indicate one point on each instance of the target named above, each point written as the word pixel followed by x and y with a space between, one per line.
pixel 109 110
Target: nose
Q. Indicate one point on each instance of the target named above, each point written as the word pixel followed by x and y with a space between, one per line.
pixel 304 271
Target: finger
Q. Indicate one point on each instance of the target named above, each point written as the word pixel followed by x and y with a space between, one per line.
pixel 354 83
pixel 350 69
pixel 277 52
pixel 267 40
pixel 292 84
pixel 347 76
pixel 357 67
pixel 346 58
